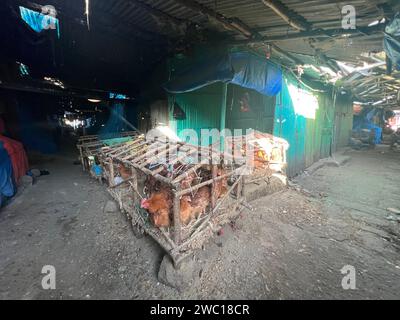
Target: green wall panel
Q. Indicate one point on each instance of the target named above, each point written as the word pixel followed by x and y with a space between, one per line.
pixel 202 108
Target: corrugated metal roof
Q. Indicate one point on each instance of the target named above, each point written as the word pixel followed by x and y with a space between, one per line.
pixel 171 18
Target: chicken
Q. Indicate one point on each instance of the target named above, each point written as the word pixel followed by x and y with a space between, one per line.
pixel 186 183
pixel 124 172
pixel 193 207
pixel 221 186
pixel 151 184
pixel 159 206
pixel 187 211
pixel 201 200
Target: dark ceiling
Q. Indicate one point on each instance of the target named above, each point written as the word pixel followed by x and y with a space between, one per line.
pixel 105 56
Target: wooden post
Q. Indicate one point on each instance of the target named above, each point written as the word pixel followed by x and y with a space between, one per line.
pixel 214 170
pixel 223 116
pixel 239 188
pixel 82 160
pixel 177 218
pixel 111 177
pixel 243 186
pixel 135 182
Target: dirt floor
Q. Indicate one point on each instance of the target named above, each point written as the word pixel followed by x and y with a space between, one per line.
pixel 291 246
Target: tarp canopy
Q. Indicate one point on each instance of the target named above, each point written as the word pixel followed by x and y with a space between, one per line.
pixel 7 188
pixel 391 42
pixel 241 68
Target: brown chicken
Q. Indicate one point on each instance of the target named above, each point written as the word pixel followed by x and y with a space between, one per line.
pixel 221 186
pixel 186 183
pixel 187 212
pixel 159 206
pixel 193 207
pixel 201 200
pixel 124 172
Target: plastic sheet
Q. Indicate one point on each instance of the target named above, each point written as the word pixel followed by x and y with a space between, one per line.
pixel 38 21
pixel 241 68
pixel 391 42
pixel 17 155
pixel 365 121
pixel 116 122
pixel 7 188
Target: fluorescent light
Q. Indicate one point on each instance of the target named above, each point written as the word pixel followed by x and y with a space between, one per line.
pixel 94 100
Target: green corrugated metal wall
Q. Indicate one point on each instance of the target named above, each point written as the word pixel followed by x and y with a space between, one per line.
pixel 202 108
pixel 291 127
pixel 343 121
pixel 311 139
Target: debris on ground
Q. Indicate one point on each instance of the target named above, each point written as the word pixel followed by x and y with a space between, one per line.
pixel 111 206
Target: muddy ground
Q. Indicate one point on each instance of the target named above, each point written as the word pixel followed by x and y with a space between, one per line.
pixel 291 246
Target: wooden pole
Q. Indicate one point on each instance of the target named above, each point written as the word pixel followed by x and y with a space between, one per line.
pixel 177 218
pixel 82 160
pixel 213 195
pixel 223 116
pixel 111 177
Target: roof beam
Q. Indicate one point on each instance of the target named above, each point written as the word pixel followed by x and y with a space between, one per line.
pixel 286 55
pixel 291 17
pixel 232 24
pixel 315 34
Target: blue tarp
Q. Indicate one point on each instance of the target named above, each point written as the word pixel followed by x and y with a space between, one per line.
pixel 391 42
pixel 241 68
pixel 365 120
pixel 7 188
pixel 39 21
pixel 116 123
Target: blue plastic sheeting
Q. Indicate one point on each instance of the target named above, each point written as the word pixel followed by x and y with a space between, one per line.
pixel 116 122
pixel 118 96
pixel 255 73
pixel 201 74
pixel 241 68
pixel 391 42
pixel 38 21
pixel 7 188
pixel 114 141
pixel 98 170
pixel 365 121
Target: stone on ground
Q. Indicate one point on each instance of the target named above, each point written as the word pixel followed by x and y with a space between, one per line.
pixel 110 206
pixel 26 181
pixel 36 173
pixel 178 278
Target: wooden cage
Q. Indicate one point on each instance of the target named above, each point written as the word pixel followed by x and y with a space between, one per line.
pixel 264 153
pixel 89 146
pixel 185 174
